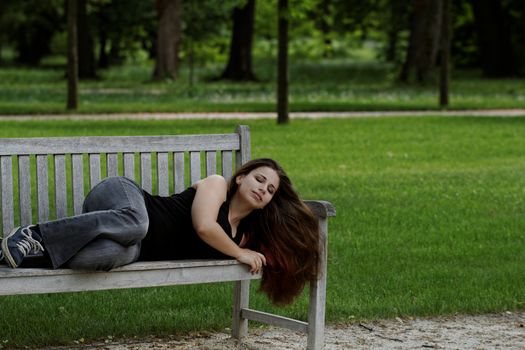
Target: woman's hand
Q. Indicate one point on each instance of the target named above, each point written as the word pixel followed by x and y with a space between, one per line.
pixel 252 258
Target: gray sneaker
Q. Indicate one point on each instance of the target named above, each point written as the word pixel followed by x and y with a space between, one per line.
pixel 19 243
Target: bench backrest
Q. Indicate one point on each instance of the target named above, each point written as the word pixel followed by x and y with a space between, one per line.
pixel 46 178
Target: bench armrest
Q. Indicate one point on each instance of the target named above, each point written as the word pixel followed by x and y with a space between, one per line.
pixel 322 209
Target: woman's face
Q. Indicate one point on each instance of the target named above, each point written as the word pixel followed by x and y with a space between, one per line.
pixel 258 186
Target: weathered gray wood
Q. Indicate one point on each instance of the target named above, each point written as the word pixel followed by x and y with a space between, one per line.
pixel 162 174
pixel 244 152
pixel 227 164
pixel 77 182
pixel 316 306
pixel 280 321
pixel 33 281
pixel 211 163
pixel 241 300
pixel 195 167
pixel 112 164
pixel 24 190
pixel 94 169
pixel 322 209
pixel 6 168
pixel 129 165
pixel 145 171
pixel 132 144
pixel 137 266
pixel 60 186
pixel 178 169
pixel 42 187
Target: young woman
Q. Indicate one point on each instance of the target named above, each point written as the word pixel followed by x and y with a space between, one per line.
pixel 257 219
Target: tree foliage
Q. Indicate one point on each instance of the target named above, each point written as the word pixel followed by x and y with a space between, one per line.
pixel 123 28
pixel 31 25
pixel 206 27
pixel 319 29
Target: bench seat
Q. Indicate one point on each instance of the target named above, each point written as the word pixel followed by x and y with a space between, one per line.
pixel 136 275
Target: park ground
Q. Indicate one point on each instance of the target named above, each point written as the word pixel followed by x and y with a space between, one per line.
pixel 505 330
pixel 517 112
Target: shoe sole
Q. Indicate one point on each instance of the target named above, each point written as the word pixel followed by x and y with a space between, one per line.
pixel 7 254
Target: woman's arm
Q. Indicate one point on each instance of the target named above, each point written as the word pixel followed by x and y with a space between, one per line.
pixel 210 194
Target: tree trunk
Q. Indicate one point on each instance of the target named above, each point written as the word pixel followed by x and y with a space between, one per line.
pixel 282 63
pixel 103 61
pixel 239 67
pixel 115 53
pixel 168 39
pixel 391 49
pixel 326 27
pixel 496 50
pixel 72 55
pixel 397 19
pixel 444 76
pixel 424 40
pixel 3 7
pixel 86 50
pixel 103 58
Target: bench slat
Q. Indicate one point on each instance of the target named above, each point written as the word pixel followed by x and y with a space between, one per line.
pixel 6 168
pixel 33 281
pixel 42 178
pixel 77 182
pixel 178 168
pixel 211 163
pixel 112 164
pixel 101 144
pixel 6 272
pixel 243 154
pixel 227 164
pixel 129 165
pixel 94 169
pixel 145 171
pixel 60 186
pixel 24 190
pixel 162 174
pixel 195 167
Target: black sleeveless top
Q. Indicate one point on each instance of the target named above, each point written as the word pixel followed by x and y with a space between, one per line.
pixel 171 234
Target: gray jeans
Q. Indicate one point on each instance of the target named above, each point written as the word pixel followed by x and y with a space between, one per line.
pixel 107 234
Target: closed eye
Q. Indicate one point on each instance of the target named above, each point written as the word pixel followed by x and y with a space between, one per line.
pixel 262 179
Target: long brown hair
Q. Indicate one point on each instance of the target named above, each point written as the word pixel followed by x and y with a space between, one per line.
pixel 286 232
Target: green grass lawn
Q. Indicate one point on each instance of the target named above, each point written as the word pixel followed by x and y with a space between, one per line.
pixel 319 86
pixel 430 221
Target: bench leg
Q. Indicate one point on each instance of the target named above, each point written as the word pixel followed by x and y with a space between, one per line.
pixel 316 309
pixel 316 315
pixel 241 299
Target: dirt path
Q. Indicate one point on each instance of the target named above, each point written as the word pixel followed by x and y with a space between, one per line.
pixel 266 115
pixel 494 331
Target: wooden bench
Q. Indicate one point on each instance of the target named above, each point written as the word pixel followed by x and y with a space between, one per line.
pixel 46 178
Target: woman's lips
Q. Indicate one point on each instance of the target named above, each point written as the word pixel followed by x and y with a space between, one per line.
pixel 257 196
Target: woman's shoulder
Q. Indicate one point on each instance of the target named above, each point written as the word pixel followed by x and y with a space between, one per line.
pixel 212 180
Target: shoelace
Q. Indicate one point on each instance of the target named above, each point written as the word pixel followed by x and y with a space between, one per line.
pixel 29 244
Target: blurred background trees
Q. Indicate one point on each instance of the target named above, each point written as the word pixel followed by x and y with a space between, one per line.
pixel 488 35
